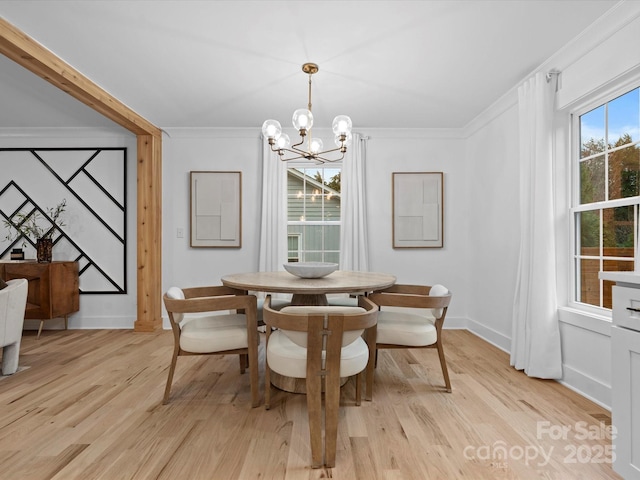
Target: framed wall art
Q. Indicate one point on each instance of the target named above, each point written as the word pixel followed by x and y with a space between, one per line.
pixel 417 199
pixel 216 209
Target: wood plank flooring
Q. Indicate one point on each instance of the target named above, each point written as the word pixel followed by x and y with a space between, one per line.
pixel 89 407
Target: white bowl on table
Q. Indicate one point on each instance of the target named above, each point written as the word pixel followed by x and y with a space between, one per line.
pixel 310 269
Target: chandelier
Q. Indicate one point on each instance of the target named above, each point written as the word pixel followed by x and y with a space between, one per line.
pixel 303 121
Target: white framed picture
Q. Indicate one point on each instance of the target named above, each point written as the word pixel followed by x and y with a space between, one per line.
pixel 216 209
pixel 418 200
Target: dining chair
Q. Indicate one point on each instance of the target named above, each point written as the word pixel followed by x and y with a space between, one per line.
pixel 320 344
pixel 214 320
pixel 411 316
pixel 276 304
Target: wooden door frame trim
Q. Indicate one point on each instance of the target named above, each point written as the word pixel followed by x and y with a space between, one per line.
pixel 28 53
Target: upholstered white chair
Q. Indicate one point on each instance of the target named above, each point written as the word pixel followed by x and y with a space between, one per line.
pixel 320 344
pixel 214 321
pixel 411 316
pixel 13 301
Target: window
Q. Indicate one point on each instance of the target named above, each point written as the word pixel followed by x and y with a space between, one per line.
pixel 313 206
pixel 605 206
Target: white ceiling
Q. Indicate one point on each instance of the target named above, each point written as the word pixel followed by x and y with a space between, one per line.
pixel 387 64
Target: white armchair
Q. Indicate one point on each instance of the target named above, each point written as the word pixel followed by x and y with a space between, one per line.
pixel 13 300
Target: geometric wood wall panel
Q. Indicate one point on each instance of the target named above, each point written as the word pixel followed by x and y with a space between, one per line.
pixel 93 181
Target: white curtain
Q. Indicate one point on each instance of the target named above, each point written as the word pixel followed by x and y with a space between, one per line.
pixel 354 251
pixel 273 231
pixel 535 343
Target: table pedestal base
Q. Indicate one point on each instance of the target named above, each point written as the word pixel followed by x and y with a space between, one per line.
pixel 309 299
pixel 294 385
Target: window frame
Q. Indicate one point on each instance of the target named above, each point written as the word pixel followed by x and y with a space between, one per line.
pixel 302 252
pixel 603 98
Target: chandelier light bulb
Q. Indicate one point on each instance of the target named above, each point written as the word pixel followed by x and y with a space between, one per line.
pixel 315 145
pixel 302 119
pixel 341 125
pixel 271 129
pixel 283 141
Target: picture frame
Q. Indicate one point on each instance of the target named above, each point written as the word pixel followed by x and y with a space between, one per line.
pixel 418 209
pixel 216 209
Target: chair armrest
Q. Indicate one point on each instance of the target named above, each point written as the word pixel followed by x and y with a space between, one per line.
pixel 212 304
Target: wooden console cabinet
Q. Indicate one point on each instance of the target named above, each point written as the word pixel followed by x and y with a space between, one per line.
pixel 53 288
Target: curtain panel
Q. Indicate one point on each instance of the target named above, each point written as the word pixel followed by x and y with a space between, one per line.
pixel 354 249
pixel 273 228
pixel 535 341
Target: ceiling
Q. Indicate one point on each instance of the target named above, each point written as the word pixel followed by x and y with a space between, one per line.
pixel 387 64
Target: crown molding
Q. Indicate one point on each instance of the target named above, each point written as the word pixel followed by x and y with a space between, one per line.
pixel 65 132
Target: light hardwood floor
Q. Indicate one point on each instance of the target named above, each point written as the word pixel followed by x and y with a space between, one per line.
pixel 89 407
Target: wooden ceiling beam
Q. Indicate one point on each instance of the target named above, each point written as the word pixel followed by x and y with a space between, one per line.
pixel 28 53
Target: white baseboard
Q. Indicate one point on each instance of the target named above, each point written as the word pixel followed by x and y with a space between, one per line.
pixel 586 386
pixel 575 380
pixel 490 335
pixel 84 323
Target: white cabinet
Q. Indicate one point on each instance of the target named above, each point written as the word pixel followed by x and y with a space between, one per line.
pixel 625 380
pixel 625 401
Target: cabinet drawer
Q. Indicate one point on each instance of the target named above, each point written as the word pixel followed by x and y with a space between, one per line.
pixel 626 307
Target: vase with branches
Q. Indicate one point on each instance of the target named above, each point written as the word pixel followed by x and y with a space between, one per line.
pixel 38 226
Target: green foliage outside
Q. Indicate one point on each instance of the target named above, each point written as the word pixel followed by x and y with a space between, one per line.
pixel 333 183
pixel 623 182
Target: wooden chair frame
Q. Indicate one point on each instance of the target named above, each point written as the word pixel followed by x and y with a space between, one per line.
pixel 416 296
pixel 324 332
pixel 216 298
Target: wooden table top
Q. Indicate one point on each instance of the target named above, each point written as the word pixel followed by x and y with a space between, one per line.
pixel 340 281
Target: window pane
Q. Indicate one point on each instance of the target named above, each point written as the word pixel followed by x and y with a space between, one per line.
pixel 624 168
pixel 592 132
pixel 332 237
pixel 592 180
pixel 624 119
pixel 589 224
pixel 333 257
pixel 617 231
pixel 313 257
pixel 331 206
pixel 313 207
pixel 293 245
pixel 589 282
pixel 312 238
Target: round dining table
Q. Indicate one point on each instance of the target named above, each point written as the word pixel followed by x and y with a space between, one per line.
pixel 307 291
pixel 310 291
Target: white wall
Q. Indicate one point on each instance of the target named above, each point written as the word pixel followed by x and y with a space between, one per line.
pixel 492 183
pixel 96 310
pixel 420 151
pixel 208 150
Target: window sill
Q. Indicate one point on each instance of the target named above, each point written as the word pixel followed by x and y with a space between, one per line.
pixel 586 320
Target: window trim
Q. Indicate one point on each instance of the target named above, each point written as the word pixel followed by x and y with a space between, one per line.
pixel 604 96
pixel 305 165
